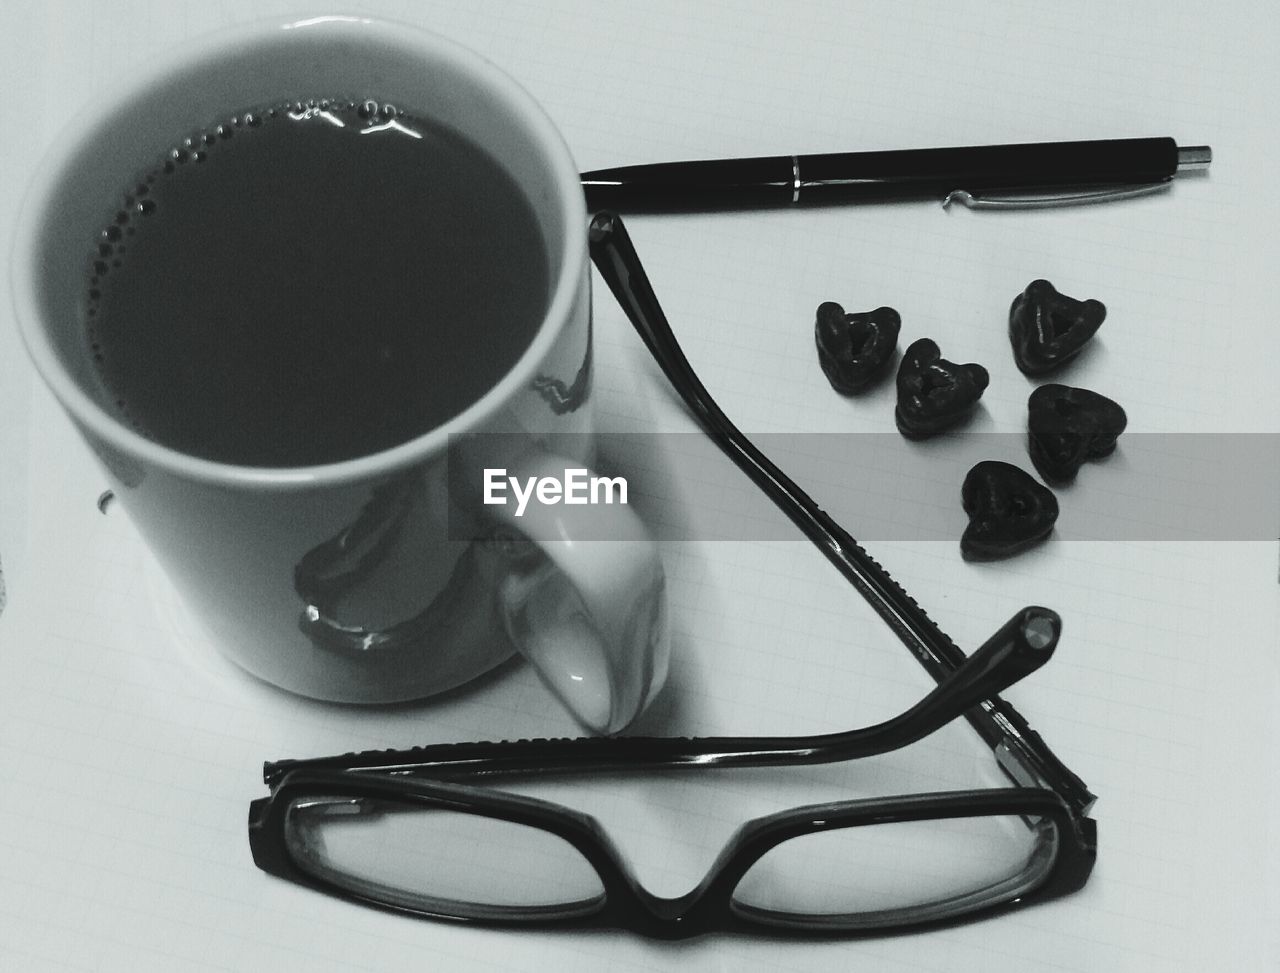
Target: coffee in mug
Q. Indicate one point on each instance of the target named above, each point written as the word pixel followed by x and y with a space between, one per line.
pixel 310 282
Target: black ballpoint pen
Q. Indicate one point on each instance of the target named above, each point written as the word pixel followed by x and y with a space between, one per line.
pixel 980 176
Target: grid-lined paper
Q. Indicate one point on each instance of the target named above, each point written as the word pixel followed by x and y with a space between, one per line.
pixel 129 752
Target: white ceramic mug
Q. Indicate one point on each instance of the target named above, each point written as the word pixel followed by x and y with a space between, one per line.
pixel 275 562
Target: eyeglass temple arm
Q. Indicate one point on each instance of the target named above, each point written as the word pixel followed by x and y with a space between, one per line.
pixel 967 685
pixel 1020 750
pixel 1021 646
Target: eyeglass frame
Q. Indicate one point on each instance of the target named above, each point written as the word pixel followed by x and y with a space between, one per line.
pixel 1046 788
pixel 709 907
pixel 440 777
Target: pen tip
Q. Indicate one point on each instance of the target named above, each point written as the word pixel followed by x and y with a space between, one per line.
pixel 1193 157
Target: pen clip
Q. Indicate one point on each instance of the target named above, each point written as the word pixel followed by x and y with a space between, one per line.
pixel 1000 201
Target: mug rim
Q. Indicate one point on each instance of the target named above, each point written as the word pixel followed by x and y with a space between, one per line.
pixel 564 280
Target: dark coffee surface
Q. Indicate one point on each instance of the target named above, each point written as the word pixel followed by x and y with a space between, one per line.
pixel 311 284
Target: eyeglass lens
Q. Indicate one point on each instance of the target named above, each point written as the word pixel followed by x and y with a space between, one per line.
pixel 895 872
pixel 439 861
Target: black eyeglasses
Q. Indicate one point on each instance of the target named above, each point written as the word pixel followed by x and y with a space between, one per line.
pixel 414 831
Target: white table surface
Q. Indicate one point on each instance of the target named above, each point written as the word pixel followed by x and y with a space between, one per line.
pixel 127 763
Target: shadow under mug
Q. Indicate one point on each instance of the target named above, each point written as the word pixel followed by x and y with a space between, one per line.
pixel 343 581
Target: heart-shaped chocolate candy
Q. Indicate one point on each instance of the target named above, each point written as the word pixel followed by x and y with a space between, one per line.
pixel 1048 329
pixel 854 349
pixel 1008 511
pixel 1066 426
pixel 934 393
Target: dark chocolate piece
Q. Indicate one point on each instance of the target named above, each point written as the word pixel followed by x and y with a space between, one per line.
pixel 1066 426
pixel 1048 329
pixel 934 393
pixel 1008 511
pixel 854 350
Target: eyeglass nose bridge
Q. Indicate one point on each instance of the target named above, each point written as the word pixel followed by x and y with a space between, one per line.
pixel 694 913
pixel 704 908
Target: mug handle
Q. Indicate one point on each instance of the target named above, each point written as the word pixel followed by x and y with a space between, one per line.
pixel 586 604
